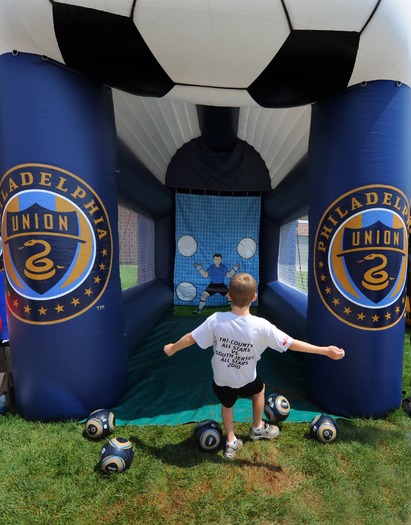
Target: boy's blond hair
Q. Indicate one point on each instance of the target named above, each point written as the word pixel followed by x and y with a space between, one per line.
pixel 242 289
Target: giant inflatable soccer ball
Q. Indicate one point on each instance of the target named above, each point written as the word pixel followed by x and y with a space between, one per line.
pixel 272 54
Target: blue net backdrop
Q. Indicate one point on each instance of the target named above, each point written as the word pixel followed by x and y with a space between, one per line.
pixel 207 225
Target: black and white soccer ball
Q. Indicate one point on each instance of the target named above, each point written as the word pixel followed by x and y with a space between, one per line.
pixel 116 455
pixel 207 435
pixel 100 424
pixel 277 408
pixel 324 428
pixel 271 54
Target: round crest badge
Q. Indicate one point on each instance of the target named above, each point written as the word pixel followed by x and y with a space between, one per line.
pixel 57 243
pixel 360 257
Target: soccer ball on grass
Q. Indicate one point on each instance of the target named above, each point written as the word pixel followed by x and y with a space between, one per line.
pixel 116 455
pixel 207 435
pixel 324 428
pixel 99 424
pixel 277 408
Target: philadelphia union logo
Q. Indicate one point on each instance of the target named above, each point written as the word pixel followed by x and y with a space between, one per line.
pixel 360 257
pixel 57 243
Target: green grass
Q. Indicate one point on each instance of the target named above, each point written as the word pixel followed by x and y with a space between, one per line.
pixel 301 281
pixel 128 275
pixel 48 476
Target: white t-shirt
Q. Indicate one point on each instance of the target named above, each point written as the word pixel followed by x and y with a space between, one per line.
pixel 238 342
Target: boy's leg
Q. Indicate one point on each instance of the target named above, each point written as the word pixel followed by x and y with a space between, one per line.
pixel 255 391
pixel 258 407
pixel 228 422
pixel 233 444
pixel 261 429
pixel 227 397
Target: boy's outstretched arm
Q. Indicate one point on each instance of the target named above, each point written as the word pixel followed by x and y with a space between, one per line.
pixel 171 348
pixel 333 352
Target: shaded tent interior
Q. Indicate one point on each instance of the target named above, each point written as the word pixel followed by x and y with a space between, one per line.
pixel 218 162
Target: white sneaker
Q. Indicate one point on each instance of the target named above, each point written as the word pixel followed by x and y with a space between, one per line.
pixel 266 431
pixel 230 450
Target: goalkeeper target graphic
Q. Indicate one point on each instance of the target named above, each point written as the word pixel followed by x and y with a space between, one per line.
pixel 216 237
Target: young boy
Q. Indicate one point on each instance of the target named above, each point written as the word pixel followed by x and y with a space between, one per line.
pixel 238 339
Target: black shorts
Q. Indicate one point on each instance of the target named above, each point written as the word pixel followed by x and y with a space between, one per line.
pixel 214 288
pixel 228 396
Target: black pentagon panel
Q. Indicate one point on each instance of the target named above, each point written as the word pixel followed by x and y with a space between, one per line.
pixel 109 48
pixel 310 66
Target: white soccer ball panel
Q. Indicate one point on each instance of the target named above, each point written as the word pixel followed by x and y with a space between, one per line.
pixel 27 26
pixel 338 15
pixel 219 44
pixel 385 45
pixel 235 98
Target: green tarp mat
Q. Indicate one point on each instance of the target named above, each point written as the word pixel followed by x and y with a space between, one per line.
pixel 176 390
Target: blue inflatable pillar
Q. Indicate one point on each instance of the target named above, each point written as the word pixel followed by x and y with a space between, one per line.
pixel 359 168
pixel 60 242
pixel 4 333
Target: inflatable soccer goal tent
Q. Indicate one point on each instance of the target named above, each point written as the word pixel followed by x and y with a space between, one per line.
pixel 303 104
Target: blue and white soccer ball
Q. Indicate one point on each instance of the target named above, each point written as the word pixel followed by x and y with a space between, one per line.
pixel 99 424
pixel 277 408
pixel 116 455
pixel 271 54
pixel 324 428
pixel 207 435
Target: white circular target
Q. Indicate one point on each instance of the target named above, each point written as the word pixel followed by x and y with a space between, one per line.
pixel 186 291
pixel 187 245
pixel 246 248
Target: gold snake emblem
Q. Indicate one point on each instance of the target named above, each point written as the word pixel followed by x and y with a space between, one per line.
pixel 39 267
pixel 376 278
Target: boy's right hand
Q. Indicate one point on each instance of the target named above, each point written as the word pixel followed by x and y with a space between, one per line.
pixel 335 353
